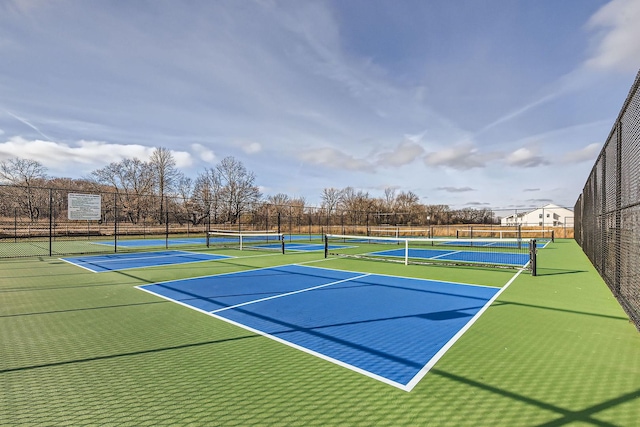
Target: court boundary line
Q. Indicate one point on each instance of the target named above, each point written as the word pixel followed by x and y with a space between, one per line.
pixel 284 342
pixel 123 243
pixel 224 257
pixel 394 275
pixel 321 247
pixel 504 265
pixel 278 339
pixel 443 350
pixel 148 266
pixel 411 384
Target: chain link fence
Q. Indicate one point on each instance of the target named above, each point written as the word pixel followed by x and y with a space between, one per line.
pixel 36 222
pixel 607 213
pixel 39 222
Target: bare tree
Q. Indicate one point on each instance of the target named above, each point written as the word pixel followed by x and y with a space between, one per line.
pixel 207 193
pixel 330 199
pixel 357 204
pixel 389 199
pixel 133 181
pixel 278 200
pixel 165 173
pixel 239 191
pixel 409 207
pixel 27 174
pixel 438 214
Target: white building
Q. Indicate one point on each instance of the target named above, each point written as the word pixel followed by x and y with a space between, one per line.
pixel 548 216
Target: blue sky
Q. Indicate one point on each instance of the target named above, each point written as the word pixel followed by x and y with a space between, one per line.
pixel 496 103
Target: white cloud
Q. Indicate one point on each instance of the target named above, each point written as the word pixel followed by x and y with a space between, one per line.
pixel 618 45
pixel 461 157
pixel 249 147
pixel 527 158
pixel 405 153
pixel 456 189
pixel 204 153
pixel 86 155
pixel 588 153
pixel 519 112
pixel 182 158
pixel 335 159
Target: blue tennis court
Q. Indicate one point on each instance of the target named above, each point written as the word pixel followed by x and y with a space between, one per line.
pixel 494 243
pixel 116 262
pixel 390 328
pixel 141 243
pixel 301 247
pixel 311 247
pixel 480 257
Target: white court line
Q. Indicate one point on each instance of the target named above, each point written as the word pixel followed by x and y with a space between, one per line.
pixel 179 254
pixel 416 379
pixel 77 265
pixel 282 341
pixel 447 254
pixel 409 386
pixel 289 293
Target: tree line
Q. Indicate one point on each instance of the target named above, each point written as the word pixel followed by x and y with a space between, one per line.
pixel 223 193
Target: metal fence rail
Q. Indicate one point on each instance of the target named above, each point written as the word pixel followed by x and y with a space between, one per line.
pixel 607 213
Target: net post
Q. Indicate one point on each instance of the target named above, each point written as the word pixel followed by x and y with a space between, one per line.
pixel 553 236
pixel 208 228
pixel 406 251
pixel 282 243
pixel 240 237
pixel 326 246
pixel 533 257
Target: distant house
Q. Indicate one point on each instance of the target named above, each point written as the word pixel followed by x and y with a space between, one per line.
pixel 548 216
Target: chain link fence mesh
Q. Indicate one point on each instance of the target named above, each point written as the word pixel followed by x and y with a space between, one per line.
pixel 607 213
pixel 35 222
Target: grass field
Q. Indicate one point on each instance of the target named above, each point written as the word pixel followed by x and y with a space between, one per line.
pixel 83 348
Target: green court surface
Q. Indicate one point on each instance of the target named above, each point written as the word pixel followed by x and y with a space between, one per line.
pixel 81 348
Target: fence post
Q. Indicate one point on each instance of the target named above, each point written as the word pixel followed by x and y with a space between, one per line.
pixel 115 222
pixel 50 222
pixel 166 227
pixel 618 235
pixel 533 256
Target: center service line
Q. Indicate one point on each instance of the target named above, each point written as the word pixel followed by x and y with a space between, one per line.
pixel 289 293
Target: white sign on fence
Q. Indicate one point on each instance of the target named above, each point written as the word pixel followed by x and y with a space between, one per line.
pixel 85 206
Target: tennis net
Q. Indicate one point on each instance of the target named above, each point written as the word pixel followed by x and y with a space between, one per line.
pixel 494 253
pixel 247 240
pixel 391 231
pixel 496 233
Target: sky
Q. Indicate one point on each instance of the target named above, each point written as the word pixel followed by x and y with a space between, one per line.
pixel 468 103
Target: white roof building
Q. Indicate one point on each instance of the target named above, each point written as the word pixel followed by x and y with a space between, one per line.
pixel 548 216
